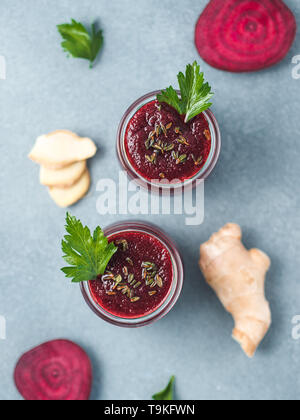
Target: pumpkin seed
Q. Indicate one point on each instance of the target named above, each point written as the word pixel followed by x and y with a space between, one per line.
pixel 159 281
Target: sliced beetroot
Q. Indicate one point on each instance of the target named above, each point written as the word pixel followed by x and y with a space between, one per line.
pixel 245 35
pixel 57 370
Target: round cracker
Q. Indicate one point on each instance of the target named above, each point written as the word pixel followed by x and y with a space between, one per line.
pixel 65 197
pixel 62 178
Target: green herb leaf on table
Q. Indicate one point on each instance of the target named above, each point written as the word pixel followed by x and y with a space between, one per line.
pixel 79 42
pixel 87 255
pixel 195 94
pixel 167 394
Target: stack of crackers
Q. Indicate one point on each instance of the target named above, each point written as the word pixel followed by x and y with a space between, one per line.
pixel 62 156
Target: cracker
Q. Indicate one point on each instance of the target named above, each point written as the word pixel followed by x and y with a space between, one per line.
pixel 65 197
pixel 61 148
pixel 62 178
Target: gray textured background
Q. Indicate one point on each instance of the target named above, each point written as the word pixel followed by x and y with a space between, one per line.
pixel 255 184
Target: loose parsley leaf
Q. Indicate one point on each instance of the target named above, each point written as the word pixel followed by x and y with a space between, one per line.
pixel 87 255
pixel 195 94
pixel 79 42
pixel 167 394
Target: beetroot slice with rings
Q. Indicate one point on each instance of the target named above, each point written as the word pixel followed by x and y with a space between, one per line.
pixel 245 35
pixel 55 371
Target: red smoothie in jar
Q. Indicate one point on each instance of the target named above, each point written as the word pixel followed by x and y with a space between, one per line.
pixel 160 145
pixel 138 278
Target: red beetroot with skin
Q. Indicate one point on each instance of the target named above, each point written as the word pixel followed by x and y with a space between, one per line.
pixel 245 35
pixel 55 371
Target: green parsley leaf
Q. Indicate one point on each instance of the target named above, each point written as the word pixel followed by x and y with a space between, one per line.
pixel 79 42
pixel 167 394
pixel 87 255
pixel 195 94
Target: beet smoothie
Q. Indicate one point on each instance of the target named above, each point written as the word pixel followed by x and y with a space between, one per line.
pixel 160 145
pixel 138 278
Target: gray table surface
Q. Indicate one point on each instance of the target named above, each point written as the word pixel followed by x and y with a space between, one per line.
pixel 256 184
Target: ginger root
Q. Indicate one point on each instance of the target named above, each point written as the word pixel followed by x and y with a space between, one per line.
pixel 238 277
pixel 65 197
pixel 61 148
pixel 62 156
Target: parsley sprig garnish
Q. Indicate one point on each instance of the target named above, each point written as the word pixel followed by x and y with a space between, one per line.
pixel 87 255
pixel 167 394
pixel 79 42
pixel 195 94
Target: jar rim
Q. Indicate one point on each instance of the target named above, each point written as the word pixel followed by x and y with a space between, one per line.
pixel 177 281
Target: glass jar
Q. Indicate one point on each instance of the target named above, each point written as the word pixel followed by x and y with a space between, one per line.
pixel 203 173
pixel 175 289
